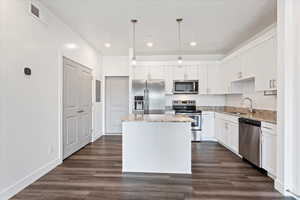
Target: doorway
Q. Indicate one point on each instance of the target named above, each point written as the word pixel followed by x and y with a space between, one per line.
pixel 117 103
pixel 77 106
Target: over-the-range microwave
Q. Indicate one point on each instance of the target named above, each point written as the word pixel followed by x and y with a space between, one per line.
pixel 186 87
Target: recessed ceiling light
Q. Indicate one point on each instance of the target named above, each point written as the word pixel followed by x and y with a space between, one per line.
pixel 71 46
pixel 193 44
pixel 149 44
pixel 107 45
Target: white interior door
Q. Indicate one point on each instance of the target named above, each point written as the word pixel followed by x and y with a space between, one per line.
pixel 117 103
pixel 77 107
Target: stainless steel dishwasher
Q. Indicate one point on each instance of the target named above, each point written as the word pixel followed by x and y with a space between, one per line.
pixel 250 140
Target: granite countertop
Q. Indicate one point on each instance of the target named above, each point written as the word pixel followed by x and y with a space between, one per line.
pixel 156 118
pixel 259 115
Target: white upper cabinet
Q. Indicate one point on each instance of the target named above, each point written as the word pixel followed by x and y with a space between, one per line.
pixel 156 72
pixel 168 76
pixel 251 59
pixel 266 66
pixel 202 75
pixel 179 73
pixel 141 72
pixel 214 79
pixel 191 72
pixel 256 60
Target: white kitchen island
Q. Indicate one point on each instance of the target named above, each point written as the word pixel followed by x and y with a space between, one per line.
pixel 156 144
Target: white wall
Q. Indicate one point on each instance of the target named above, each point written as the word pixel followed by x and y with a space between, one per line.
pixel 288 126
pixel 116 65
pixel 31 106
pixel 259 100
pixel 98 106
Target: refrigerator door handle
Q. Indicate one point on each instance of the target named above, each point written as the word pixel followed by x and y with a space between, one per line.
pixel 146 98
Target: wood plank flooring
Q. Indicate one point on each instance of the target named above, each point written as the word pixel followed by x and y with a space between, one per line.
pixel 94 173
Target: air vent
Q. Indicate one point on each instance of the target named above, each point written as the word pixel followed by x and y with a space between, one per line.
pixel 35 10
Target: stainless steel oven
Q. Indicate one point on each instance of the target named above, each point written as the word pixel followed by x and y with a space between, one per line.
pixel 189 109
pixel 186 87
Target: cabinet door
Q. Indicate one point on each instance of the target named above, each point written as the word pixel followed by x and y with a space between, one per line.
pixel 233 134
pixel 202 74
pixel 251 62
pixel 191 72
pixel 179 73
pixel 235 67
pixel 208 131
pixel 141 72
pixel 220 130
pixel 168 77
pixel 226 76
pixel 269 152
pixel 214 83
pixel 156 72
pixel 267 65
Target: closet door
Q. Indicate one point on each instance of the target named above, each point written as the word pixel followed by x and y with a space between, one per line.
pixel 85 105
pixel 77 107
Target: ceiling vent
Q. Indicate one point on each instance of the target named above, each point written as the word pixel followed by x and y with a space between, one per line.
pixel 35 11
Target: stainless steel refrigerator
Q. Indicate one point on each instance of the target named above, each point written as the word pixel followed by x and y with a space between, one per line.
pixel 149 96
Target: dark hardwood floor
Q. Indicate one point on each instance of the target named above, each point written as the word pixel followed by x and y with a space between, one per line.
pixel 94 173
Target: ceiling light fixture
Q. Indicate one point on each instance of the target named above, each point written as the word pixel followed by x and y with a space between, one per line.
pixel 107 45
pixel 133 59
pixel 71 46
pixel 179 21
pixel 193 44
pixel 149 44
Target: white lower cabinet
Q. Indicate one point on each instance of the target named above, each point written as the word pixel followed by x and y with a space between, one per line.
pixel 233 136
pixel 269 148
pixel 227 131
pixel 227 134
pixel 208 127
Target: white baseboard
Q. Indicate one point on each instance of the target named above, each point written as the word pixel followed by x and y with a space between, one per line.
pixel 29 179
pixel 96 136
pixel 279 187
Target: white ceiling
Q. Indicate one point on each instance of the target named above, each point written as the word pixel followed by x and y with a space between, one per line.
pixel 216 25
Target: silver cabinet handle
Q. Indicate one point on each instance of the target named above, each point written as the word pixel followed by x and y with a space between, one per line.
pixel 80 111
pixel 274 83
pixel 270 83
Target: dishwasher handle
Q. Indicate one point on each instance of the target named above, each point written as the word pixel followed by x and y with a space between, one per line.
pixel 250 122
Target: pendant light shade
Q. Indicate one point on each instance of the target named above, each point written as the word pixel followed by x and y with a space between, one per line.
pixel 179 21
pixel 133 59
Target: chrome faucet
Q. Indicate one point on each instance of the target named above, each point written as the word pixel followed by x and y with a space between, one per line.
pixel 250 105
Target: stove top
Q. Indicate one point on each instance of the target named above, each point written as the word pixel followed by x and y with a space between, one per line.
pixel 188 111
pixel 186 106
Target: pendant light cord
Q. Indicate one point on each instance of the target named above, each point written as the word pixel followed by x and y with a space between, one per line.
pixel 179 35
pixel 179 38
pixel 134 21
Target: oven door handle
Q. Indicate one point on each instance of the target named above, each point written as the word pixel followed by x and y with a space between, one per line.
pixel 202 120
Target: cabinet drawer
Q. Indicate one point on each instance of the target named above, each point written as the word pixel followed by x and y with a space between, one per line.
pixel 268 127
pixel 229 118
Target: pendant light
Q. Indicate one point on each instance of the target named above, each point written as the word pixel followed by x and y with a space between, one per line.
pixel 133 59
pixel 179 21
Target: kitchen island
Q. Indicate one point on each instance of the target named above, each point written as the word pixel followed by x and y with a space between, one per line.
pixel 156 144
